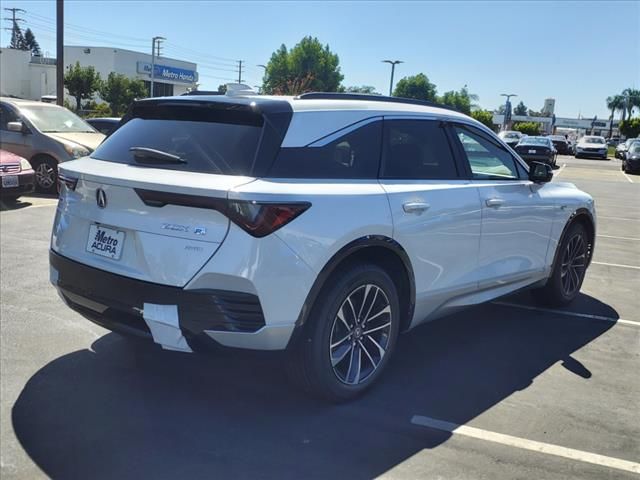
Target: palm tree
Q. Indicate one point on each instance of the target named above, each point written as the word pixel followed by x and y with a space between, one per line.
pixel 632 99
pixel 617 102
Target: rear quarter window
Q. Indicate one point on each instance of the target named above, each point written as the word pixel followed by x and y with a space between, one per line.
pixel 355 155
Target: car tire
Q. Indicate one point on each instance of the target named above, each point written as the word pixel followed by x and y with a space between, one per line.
pixel 568 271
pixel 46 175
pixel 323 359
pixel 622 166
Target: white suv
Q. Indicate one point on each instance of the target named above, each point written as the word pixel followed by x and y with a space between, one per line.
pixel 323 224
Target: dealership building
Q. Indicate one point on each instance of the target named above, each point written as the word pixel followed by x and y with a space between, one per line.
pixel 25 76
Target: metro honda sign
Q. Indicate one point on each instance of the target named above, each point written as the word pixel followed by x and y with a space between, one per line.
pixel 165 72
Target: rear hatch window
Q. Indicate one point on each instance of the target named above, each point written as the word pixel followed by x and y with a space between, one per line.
pixel 205 138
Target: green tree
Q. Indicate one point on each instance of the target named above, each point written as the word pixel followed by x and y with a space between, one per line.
pixel 17 37
pixel 30 42
pixel 630 128
pixel 616 102
pixel 528 128
pixel 119 92
pixel 632 100
pixel 81 82
pixel 416 86
pixel 520 109
pixel 485 117
pixel 308 66
pixel 460 100
pixel 365 89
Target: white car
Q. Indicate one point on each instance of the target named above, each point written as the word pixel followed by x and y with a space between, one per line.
pixel 591 146
pixel 511 137
pixel 323 225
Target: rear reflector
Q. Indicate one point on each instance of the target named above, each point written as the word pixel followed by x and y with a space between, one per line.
pixel 258 219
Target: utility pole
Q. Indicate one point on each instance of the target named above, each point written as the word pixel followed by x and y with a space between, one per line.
pixel 239 71
pixel 14 23
pixel 60 52
pixel 506 124
pixel 153 60
pixel 393 64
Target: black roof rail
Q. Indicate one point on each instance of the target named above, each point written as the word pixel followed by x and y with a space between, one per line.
pixel 370 98
pixel 202 92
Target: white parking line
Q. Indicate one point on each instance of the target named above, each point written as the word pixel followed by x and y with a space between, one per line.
pixel 617 265
pixel 523 443
pixel 560 170
pixel 571 314
pixel 619 238
pixel 627 176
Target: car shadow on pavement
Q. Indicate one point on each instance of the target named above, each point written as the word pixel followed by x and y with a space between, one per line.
pixel 13 204
pixel 124 409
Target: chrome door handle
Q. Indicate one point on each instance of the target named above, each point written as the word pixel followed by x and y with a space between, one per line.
pixel 415 207
pixel 494 202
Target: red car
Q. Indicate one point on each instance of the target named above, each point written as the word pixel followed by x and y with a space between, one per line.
pixel 16 174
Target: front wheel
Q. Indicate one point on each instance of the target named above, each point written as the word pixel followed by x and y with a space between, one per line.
pixel 349 336
pixel 46 171
pixel 569 269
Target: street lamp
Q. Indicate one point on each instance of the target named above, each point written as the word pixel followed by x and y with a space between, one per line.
pixel 393 64
pixel 153 60
pixel 507 110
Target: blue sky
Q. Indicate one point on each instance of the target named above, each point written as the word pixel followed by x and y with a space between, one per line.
pixel 577 52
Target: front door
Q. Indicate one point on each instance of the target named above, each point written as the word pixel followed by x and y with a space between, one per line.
pixel 516 213
pixel 436 213
pixel 14 142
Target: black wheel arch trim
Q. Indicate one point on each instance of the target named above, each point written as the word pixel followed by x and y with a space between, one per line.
pixel 343 254
pixel 578 214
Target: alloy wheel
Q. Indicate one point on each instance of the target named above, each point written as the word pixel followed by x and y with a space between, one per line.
pixel 360 334
pixel 574 262
pixel 45 175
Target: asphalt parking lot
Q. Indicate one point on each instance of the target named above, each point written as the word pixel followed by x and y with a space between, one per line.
pixel 504 390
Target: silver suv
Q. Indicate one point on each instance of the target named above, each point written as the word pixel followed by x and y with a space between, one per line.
pixel 323 225
pixel 45 135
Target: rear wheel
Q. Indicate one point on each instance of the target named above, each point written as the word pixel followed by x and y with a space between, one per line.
pixel 46 170
pixel 350 335
pixel 568 272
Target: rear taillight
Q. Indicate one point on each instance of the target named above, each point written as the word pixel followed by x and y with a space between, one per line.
pixel 65 181
pixel 259 219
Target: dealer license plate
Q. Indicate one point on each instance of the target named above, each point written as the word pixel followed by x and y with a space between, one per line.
pixel 9 181
pixel 105 242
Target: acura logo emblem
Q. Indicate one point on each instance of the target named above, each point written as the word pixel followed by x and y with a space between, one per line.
pixel 101 198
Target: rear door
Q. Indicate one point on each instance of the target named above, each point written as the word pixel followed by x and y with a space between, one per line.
pixel 436 214
pixel 517 214
pixel 148 202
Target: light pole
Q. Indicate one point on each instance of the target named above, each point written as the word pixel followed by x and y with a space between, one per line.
pixel 506 125
pixel 393 64
pixel 153 60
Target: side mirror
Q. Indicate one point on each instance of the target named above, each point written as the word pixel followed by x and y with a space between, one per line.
pixel 540 172
pixel 15 127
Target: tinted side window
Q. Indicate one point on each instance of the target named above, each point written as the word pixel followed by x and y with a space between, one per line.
pixel 486 159
pixel 354 155
pixel 416 149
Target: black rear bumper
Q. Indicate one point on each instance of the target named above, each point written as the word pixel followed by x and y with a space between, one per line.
pixel 116 302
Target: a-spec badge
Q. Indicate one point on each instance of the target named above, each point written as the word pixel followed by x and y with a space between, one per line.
pixel 200 231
